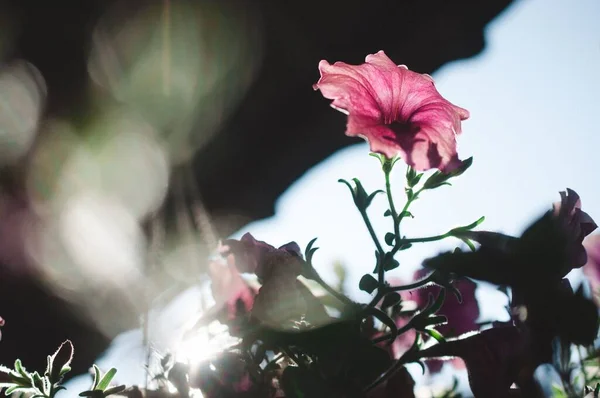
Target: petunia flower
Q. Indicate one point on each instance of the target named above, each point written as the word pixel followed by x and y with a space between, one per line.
pixel 282 298
pixel 260 258
pixel 544 254
pixel 399 112
pixel 229 290
pixel 495 359
pixel 576 222
pixel 592 268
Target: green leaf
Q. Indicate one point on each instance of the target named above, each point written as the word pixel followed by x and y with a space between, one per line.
pixel 389 238
pixel 105 382
pixel 97 377
pixel 38 382
pixel 7 370
pixel 386 320
pixel 390 263
pixel 436 335
pixel 114 390
pixel 433 306
pixel 368 283
pixel 558 392
pixel 438 178
pixel 469 243
pixel 60 361
pixel 406 214
pixel 387 213
pixel 19 368
pixel 371 196
pixel 310 251
pixel 16 388
pixel 412 177
pixel 469 227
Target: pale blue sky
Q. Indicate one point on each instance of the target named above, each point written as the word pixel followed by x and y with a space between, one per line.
pixel 533 98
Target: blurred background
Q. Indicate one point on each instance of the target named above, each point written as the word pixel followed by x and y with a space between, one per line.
pixel 136 134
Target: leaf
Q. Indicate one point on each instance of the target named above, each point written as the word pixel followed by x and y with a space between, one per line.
pixel 390 300
pixel 114 390
pixel 386 320
pixel 436 335
pixel 310 251
pixel 368 283
pixel 106 379
pixel 387 213
pixel 389 262
pixel 406 213
pixel 371 196
pixel 389 238
pixel 16 388
pixel 558 392
pixel 439 179
pixel 467 227
pixel 7 370
pixel 19 368
pixel 468 243
pixel 434 305
pixel 59 363
pixel 97 376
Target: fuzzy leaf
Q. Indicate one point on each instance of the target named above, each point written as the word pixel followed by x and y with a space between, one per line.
pixel 106 379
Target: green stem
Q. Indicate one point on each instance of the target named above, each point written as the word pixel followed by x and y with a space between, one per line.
pixel 415 285
pixel 398 219
pixel 383 290
pixel 365 217
pixel 427 239
pixel 317 278
pixel 387 336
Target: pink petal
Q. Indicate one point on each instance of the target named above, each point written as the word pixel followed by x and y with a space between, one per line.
pixel 399 112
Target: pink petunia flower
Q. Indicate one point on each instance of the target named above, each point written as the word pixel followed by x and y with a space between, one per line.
pixel 399 112
pixel 592 268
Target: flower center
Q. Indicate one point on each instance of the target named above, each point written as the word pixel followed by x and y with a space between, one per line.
pixel 399 127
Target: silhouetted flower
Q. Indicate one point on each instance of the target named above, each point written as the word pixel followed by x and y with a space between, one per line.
pixel 495 359
pixel 399 112
pixel 546 252
pixel 282 298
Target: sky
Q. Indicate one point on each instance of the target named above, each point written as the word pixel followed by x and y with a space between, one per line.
pixel 533 98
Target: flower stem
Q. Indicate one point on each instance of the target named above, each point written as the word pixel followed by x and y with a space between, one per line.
pixel 389 373
pixel 387 336
pixel 317 278
pixel 415 285
pixel 365 217
pixel 427 239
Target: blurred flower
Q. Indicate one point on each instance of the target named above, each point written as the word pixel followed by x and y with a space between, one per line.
pixel 495 359
pixel 544 254
pixel 576 222
pixel 396 110
pixel 262 259
pixel 229 290
pixel 462 317
pixel 282 298
pixel 592 267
